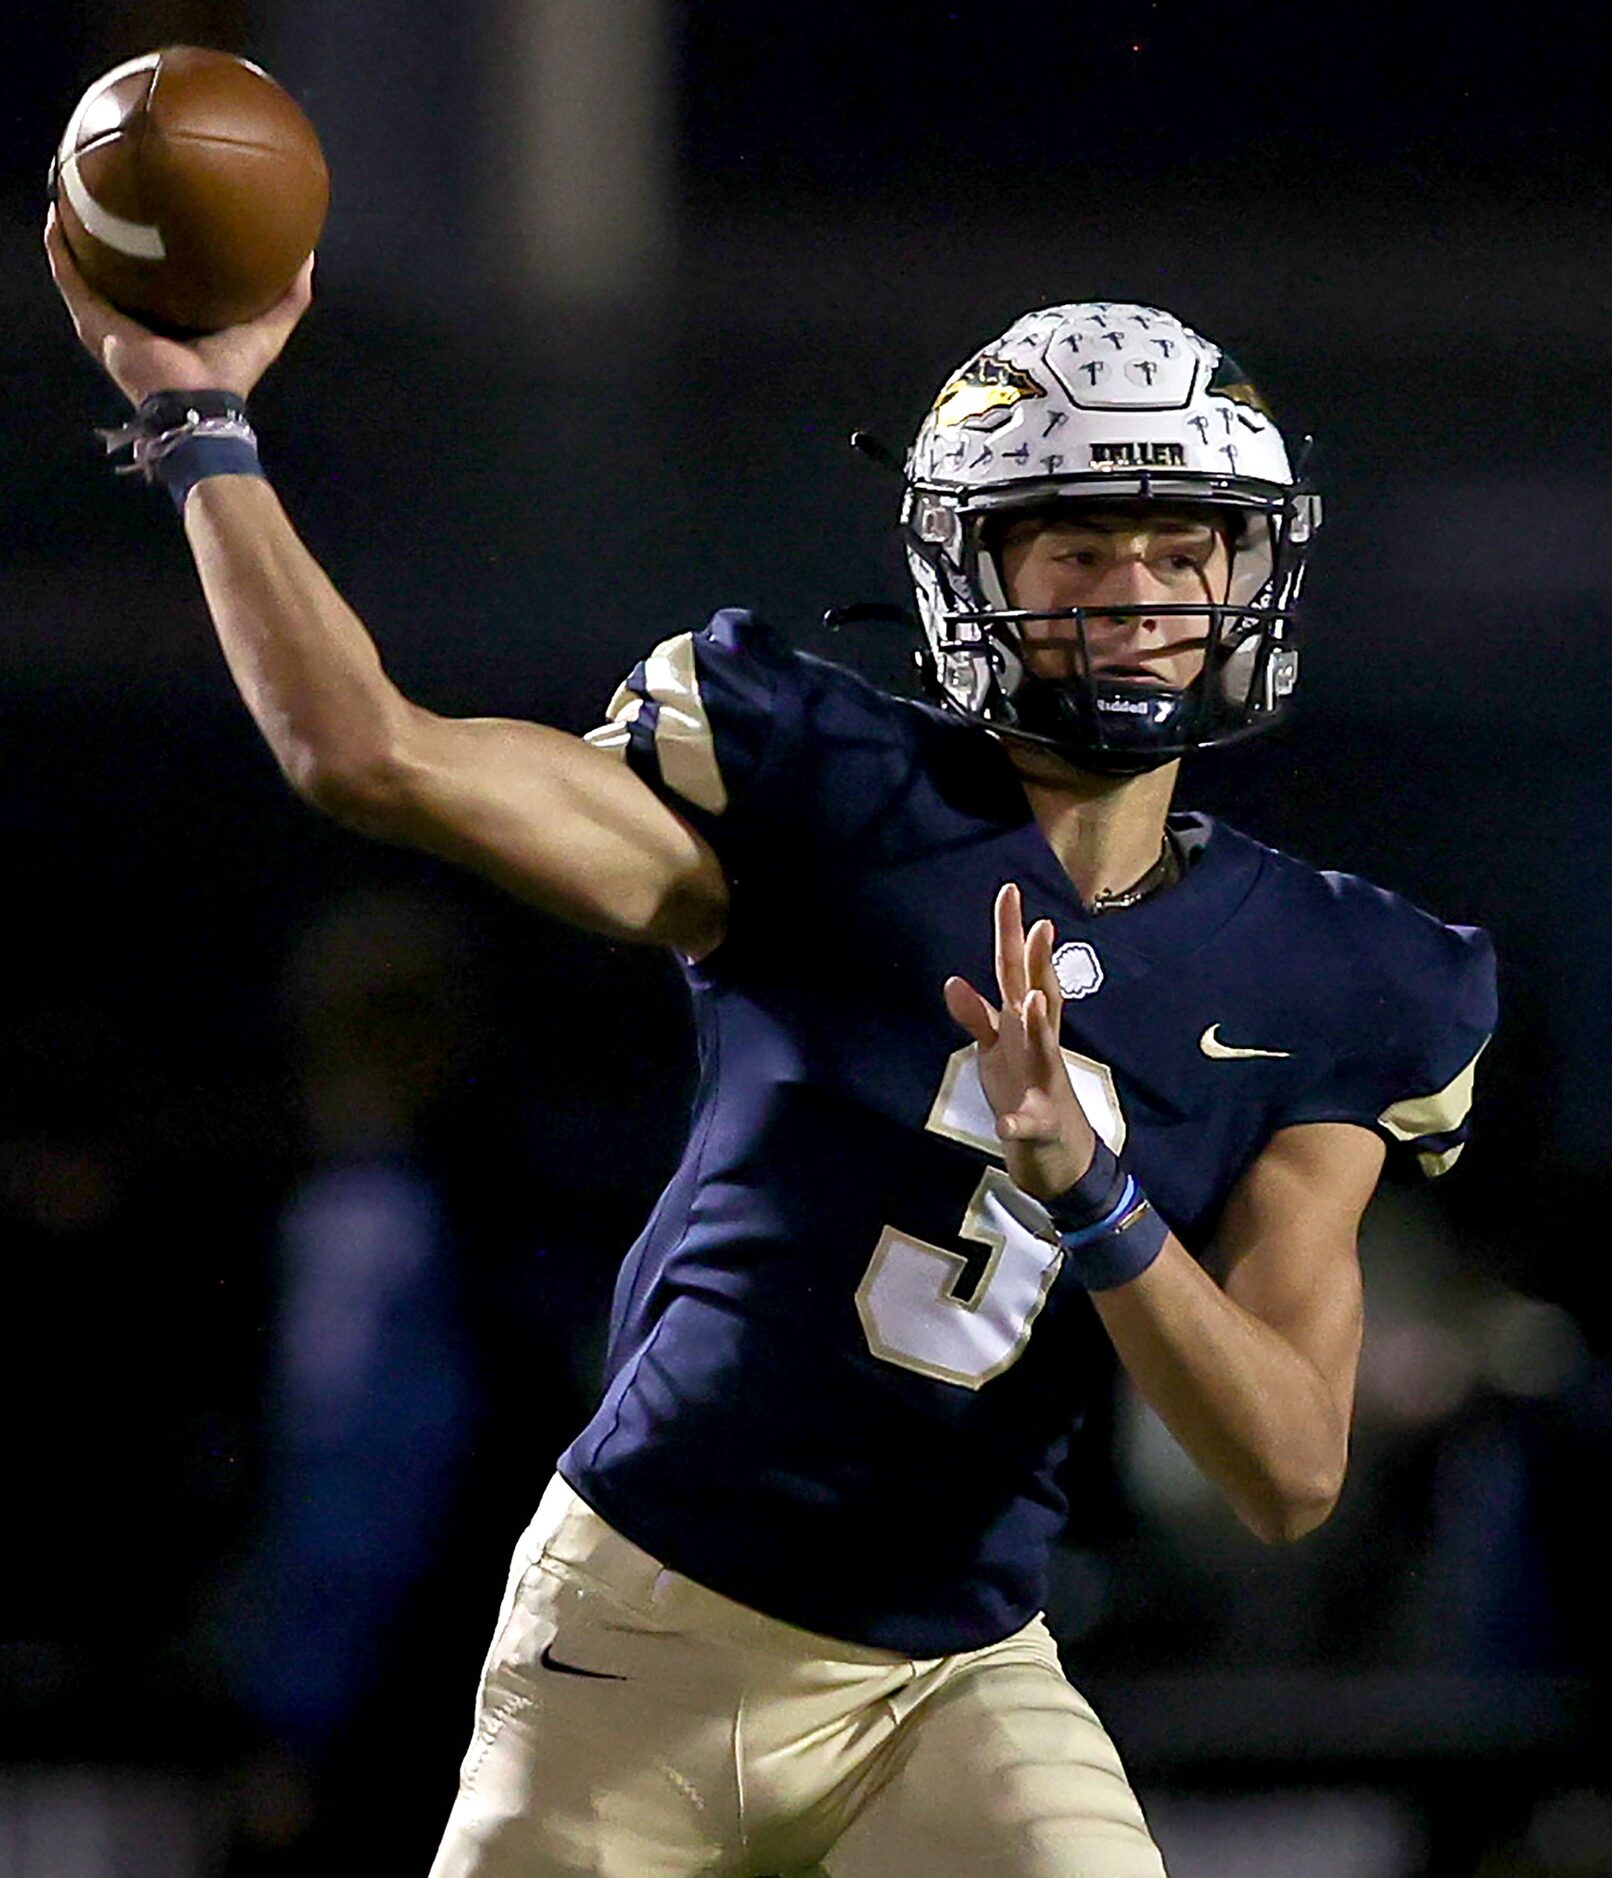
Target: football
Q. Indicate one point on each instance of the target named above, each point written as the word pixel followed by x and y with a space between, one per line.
pixel 190 188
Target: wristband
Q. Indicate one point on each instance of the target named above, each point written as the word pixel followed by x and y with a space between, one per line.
pixel 1107 1228
pixel 176 438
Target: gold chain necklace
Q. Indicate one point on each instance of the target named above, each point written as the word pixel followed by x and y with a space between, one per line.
pixel 1164 872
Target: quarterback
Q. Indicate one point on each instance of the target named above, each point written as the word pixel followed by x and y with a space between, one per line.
pixel 1001 1059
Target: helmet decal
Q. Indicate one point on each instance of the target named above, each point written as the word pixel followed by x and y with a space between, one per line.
pixel 1231 381
pixel 983 394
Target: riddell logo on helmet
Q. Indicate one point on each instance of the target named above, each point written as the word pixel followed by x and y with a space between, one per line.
pixel 1138 456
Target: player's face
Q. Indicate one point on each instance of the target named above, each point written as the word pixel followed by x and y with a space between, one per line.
pixel 1121 556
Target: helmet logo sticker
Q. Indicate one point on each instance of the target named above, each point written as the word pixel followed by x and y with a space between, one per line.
pixel 1230 381
pixel 1077 968
pixel 984 393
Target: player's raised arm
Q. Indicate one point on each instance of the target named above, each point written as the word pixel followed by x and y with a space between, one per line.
pixel 538 810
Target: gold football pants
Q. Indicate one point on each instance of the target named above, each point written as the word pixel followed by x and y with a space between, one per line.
pixel 632 1724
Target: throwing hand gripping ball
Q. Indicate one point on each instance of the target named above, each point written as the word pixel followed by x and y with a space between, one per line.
pixel 190 189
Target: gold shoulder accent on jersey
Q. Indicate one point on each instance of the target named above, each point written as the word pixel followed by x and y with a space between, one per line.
pixel 1435 1164
pixel 1434 1114
pixel 683 740
pixel 614 733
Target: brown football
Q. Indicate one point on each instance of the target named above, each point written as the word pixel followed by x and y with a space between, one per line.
pixel 190 189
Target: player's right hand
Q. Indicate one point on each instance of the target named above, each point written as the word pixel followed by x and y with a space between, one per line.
pixel 139 361
pixel 1047 1141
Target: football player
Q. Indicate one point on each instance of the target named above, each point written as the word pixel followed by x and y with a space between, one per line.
pixel 778 1608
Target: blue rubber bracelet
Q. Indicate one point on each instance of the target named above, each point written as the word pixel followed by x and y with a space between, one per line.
pixel 1130 1197
pixel 1107 1229
pixel 1106 1259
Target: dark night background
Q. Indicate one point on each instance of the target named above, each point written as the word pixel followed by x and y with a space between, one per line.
pixel 603 291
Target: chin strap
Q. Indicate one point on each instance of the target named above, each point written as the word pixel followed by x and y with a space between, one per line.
pixel 1109 729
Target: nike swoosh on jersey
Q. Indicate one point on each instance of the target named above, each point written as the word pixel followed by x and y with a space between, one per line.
pixel 1211 1045
pixel 549 1661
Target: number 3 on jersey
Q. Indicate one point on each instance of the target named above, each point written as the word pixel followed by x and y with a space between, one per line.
pixel 907 1300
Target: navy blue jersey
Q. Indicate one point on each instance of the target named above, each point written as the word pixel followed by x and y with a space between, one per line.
pixel 845 1361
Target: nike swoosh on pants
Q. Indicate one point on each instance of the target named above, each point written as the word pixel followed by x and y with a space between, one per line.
pixel 550 1661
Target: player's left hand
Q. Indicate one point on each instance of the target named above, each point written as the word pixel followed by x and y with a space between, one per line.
pixel 1047 1141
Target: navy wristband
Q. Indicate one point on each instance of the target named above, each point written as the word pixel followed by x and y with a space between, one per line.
pixel 1092 1197
pixel 195 458
pixel 1113 1254
pixel 177 438
pixel 1107 1228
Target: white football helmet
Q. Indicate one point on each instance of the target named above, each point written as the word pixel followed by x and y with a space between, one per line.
pixel 1105 402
